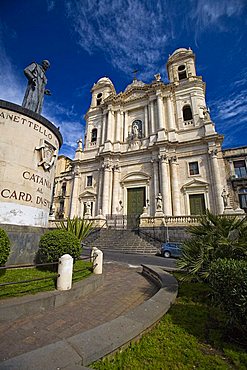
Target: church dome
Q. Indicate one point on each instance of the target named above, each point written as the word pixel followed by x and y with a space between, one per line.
pixel 180 50
pixel 134 83
pixel 104 80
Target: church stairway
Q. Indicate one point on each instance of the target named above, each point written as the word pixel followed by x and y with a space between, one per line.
pixel 126 241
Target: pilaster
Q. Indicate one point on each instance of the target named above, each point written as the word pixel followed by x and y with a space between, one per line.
pixel 217 180
pixel 175 187
pixel 75 193
pixel 115 190
pixel 165 184
pixel 106 188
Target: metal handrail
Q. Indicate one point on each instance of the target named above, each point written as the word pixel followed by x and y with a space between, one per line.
pixel 29 281
pixel 35 265
pixel 27 266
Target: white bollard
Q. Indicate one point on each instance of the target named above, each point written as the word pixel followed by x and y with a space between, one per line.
pixel 98 262
pixel 65 271
pixel 94 249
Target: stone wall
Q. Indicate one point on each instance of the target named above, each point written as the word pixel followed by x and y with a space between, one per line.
pixel 24 243
pixel 173 233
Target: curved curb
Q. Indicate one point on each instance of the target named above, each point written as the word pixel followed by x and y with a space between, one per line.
pixel 87 347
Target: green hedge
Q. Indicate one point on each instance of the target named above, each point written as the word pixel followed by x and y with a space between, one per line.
pixel 228 280
pixel 56 243
pixel 4 247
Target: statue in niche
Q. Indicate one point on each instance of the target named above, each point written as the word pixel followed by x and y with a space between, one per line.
pixel 37 81
pixel 135 131
pixel 225 197
pixel 206 112
pixel 159 204
pixel 88 209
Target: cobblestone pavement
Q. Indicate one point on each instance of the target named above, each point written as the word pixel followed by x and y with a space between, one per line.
pixel 123 289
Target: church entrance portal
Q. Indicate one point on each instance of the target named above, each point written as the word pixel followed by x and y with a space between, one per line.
pixel 197 204
pixel 136 200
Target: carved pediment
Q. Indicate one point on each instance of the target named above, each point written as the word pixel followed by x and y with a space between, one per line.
pixel 136 177
pixel 87 194
pixel 195 183
pixel 135 95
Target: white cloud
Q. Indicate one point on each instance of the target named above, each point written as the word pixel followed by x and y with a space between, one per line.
pixel 136 33
pixel 11 88
pixel 230 116
pixel 206 13
pixel 70 125
pixel 130 33
pixel 50 5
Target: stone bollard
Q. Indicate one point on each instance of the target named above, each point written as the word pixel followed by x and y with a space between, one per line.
pixel 98 262
pixel 94 249
pixel 65 270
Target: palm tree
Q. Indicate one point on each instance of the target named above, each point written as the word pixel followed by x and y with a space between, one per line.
pixel 80 227
pixel 215 237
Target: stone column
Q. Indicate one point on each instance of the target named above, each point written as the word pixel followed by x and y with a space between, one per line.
pixel 165 185
pixel 232 170
pixel 171 117
pixel 160 112
pixel 110 126
pixel 155 181
pixel 175 187
pixel 75 193
pixel 146 121
pixel 118 128
pixel 106 189
pixel 217 181
pixel 103 130
pixel 125 131
pixel 152 117
pixel 99 191
pixel 115 190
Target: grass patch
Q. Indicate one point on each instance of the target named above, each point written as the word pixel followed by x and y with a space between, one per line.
pixel 191 336
pixel 82 269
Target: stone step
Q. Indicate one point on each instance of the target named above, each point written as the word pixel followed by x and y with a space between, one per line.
pixel 126 241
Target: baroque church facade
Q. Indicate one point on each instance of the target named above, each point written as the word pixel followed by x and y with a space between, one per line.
pixel 152 148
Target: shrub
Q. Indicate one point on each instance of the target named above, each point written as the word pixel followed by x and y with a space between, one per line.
pixel 4 247
pixel 215 237
pixel 56 243
pixel 80 227
pixel 228 279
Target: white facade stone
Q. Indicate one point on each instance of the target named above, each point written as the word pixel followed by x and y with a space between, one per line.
pixel 152 138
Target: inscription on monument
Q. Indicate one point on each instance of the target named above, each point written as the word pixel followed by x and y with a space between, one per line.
pixel 27 123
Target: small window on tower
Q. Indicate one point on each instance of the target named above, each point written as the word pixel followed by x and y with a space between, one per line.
pixel 89 180
pixel 94 135
pixel 99 98
pixel 187 113
pixel 194 168
pixel 182 72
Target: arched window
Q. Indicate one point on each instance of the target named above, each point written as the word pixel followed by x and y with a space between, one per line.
pixel 94 135
pixel 242 193
pixel 99 98
pixel 182 72
pixel 187 113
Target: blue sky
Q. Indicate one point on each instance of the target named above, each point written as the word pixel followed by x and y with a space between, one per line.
pixel 88 39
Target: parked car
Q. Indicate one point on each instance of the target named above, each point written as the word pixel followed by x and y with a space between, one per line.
pixel 170 249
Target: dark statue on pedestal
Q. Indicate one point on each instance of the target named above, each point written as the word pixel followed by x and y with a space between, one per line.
pixel 37 81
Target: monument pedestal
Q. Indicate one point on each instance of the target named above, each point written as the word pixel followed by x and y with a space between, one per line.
pixel 29 148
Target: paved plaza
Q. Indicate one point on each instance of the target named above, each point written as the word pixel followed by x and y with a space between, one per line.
pixel 123 289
